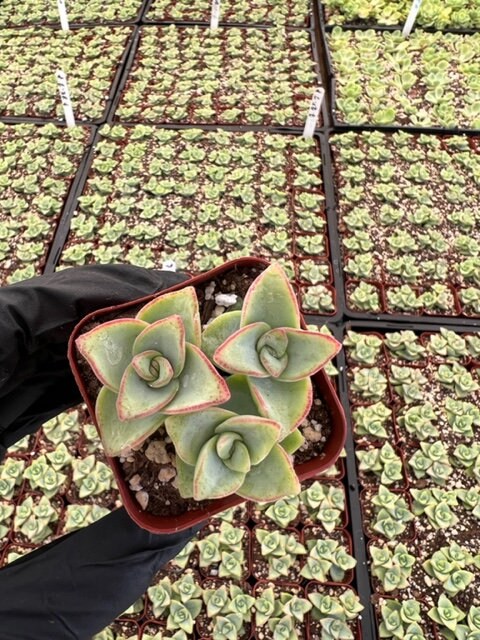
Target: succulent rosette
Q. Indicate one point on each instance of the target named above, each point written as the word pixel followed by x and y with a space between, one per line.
pixel 151 366
pixel 220 452
pixel 270 355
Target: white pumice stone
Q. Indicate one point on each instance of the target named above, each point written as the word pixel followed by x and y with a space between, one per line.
pixel 226 299
pixel 142 499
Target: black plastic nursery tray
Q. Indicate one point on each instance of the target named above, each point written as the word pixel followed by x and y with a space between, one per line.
pixel 111 94
pixel 225 7
pixel 320 80
pixel 364 25
pixel 78 24
pixel 360 538
pixel 68 200
pixel 329 74
pixel 295 256
pixel 458 317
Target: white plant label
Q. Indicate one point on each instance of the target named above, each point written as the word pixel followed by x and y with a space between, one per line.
pixel 313 112
pixel 412 16
pixel 62 10
pixel 215 17
pixel 169 265
pixel 65 98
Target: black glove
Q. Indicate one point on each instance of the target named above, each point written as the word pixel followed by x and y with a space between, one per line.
pixel 75 586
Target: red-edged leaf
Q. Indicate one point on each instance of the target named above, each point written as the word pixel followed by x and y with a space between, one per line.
pixel 117 434
pixel 271 299
pixel 108 349
pixel 183 303
pixel 238 354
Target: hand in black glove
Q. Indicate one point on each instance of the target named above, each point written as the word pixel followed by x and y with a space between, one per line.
pixel 75 586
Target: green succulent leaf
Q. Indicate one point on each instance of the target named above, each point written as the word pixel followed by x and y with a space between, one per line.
pixel 212 478
pixel 137 399
pixel 293 441
pixel 238 354
pixel 185 475
pixel 271 480
pixel 108 349
pixel 286 403
pixel 117 434
pixel 198 380
pixel 219 330
pixel 241 400
pixel 189 432
pixel 271 299
pixel 183 303
pixel 167 337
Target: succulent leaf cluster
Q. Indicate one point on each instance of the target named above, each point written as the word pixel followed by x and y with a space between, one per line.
pixel 231 434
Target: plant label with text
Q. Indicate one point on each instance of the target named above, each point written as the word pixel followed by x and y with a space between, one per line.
pixel 313 113
pixel 62 10
pixel 412 16
pixel 65 97
pixel 169 265
pixel 215 17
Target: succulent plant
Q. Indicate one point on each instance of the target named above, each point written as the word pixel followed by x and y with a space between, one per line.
pixel 265 344
pixel 11 476
pixel 327 559
pixel 363 348
pixel 144 364
pixel 400 619
pixel 372 420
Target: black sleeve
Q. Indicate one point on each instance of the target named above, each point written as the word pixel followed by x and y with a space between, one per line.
pixel 76 586
pixel 36 319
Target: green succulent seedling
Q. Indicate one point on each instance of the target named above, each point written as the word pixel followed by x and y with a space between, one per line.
pixel 383 462
pixel 393 567
pixel 392 513
pixel 446 614
pixel 363 348
pixel 372 420
pixel 143 363
pixel 327 559
pixel 400 619
pixel 325 504
pixel 419 421
pixel 370 383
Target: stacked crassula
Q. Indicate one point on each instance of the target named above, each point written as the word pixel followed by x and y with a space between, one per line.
pixel 232 434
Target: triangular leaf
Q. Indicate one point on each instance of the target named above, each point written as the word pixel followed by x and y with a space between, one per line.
pixel 108 349
pixel 218 331
pixel 201 386
pixel 183 303
pixel 272 479
pixel 212 478
pixel 285 402
pixel 293 441
pixel 184 480
pixel 136 399
pixel 238 354
pixel 259 434
pixel 189 432
pixel 271 299
pixel 241 400
pixel 308 351
pixel 166 336
pixel 118 435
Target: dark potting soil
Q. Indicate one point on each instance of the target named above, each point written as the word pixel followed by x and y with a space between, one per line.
pixel 163 497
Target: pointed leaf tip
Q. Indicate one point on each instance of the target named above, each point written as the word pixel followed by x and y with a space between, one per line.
pixel 184 303
pixel 271 299
pixel 108 349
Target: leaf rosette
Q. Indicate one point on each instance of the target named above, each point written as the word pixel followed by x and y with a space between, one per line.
pixel 151 366
pixel 265 345
pixel 220 453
